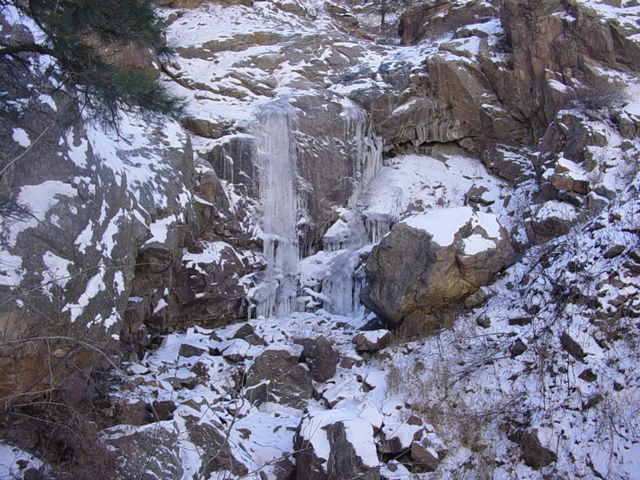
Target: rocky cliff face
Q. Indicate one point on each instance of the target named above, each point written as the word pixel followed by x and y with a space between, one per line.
pixel 472 186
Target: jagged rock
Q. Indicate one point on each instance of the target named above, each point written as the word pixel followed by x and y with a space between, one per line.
pixel 398 437
pixel 321 357
pixel 419 267
pixel 520 321
pixel 592 401
pixel 350 360
pixel 476 299
pixel 233 159
pixel 423 457
pixel 132 413
pixel 83 186
pixel 572 347
pixel 552 219
pixel 432 19
pixel 614 251
pixel 517 348
pixel 276 376
pixel 335 444
pixel 150 451
pixel 547 49
pixel 248 334
pixel 236 350
pixel 205 128
pixel 213 448
pixel 569 135
pixel 187 350
pixel 392 470
pixel 197 3
pixel 635 255
pixel 210 293
pixel 534 454
pixel 508 164
pixel 483 321
pixel 372 340
pixel 565 182
pixel 588 376
pixel 163 410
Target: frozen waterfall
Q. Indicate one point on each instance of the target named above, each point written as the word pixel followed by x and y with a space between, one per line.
pixel 338 280
pixel 276 159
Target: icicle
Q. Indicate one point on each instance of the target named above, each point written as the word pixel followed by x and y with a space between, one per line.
pixel 367 148
pixel 342 284
pixel 376 228
pixel 277 164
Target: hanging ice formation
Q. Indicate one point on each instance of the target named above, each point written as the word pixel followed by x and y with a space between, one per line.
pixel 276 159
pixel 366 149
pixel 344 279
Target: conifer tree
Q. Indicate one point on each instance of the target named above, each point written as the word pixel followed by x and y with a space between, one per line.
pixel 78 32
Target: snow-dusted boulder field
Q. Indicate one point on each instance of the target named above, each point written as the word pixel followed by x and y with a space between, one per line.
pixel 408 251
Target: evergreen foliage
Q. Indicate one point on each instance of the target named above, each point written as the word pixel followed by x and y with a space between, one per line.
pixel 77 32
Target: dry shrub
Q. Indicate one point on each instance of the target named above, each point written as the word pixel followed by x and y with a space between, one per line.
pixel 63 428
pixel 601 93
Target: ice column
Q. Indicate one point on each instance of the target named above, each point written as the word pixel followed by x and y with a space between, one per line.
pixel 277 164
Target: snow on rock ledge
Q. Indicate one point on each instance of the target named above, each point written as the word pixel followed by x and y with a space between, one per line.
pixel 432 260
pixel 443 223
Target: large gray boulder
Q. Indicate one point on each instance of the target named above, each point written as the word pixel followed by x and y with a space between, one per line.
pixel 431 261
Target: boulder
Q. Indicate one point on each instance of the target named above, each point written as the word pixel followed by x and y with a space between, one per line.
pixel 517 348
pixel 163 409
pixel 248 334
pixel 149 452
pixel 398 437
pixel 506 163
pixel 236 350
pixel 424 457
pixel 372 340
pixel 334 445
pixel 321 357
pixel 276 376
pixel 614 251
pixel 572 347
pixel 213 448
pixel 432 261
pixel 534 454
pixel 552 219
pixel 187 350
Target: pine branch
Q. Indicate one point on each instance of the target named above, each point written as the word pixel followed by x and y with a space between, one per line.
pixel 27 48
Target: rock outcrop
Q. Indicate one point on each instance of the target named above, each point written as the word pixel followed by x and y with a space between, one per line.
pixel 93 205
